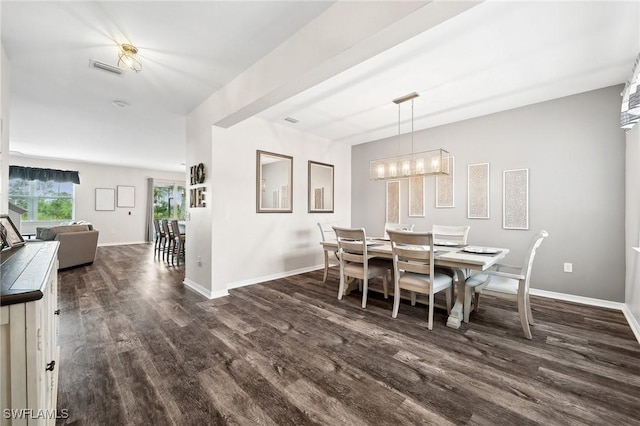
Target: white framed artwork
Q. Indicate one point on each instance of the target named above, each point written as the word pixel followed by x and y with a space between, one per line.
pixel 416 196
pixel 478 191
pixel 105 199
pixel 126 196
pixel 393 201
pixel 515 199
pixel 445 188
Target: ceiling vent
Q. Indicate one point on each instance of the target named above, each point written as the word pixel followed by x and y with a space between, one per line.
pixel 105 67
pixel 291 120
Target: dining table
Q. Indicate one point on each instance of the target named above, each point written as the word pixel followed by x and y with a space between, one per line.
pixel 460 258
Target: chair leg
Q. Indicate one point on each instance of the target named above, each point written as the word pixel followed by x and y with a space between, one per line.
pixel 431 297
pixel 529 314
pixel 170 251
pixel 522 311
pixel 385 285
pixel 365 291
pixel 413 298
pixel 341 287
pixel 165 251
pixel 326 266
pixel 396 301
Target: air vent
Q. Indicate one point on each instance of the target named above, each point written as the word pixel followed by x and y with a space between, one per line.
pixel 105 67
pixel 291 120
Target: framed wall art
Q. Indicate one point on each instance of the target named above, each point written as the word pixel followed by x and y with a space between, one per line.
pixel 105 199
pixel 445 188
pixel 126 196
pixel 478 191
pixel 9 234
pixel 416 196
pixel 393 201
pixel 515 199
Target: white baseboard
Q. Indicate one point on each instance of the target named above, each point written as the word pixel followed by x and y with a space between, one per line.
pixel 204 291
pixel 633 323
pixel 262 279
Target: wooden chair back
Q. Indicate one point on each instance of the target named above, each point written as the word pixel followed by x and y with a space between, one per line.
pixel 158 228
pixel 175 228
pixel 527 265
pixel 397 227
pixel 167 229
pixel 412 252
pixel 326 231
pixel 453 234
pixel 352 244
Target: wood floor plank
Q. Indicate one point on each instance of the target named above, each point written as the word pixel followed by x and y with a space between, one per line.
pixel 139 348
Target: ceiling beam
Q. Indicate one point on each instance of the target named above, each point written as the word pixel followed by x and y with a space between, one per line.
pixel 345 35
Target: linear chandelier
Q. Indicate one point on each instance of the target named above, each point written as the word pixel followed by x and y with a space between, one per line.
pixel 630 110
pixel 426 163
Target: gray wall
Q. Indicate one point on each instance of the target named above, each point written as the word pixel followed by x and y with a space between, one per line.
pixel 575 152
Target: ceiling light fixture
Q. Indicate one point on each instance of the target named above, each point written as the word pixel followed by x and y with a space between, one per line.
pixel 128 57
pixel 427 163
pixel 630 109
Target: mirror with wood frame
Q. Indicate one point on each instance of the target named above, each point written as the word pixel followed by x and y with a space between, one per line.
pixel 320 188
pixel 274 183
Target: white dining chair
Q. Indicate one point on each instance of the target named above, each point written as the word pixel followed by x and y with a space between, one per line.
pixel 511 282
pixel 327 233
pixel 450 235
pixel 397 227
pixel 356 262
pixel 413 269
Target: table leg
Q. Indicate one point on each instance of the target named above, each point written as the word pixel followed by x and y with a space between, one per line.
pixel 456 316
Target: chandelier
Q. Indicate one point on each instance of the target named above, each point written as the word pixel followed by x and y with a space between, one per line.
pixel 128 57
pixel 630 111
pixel 426 163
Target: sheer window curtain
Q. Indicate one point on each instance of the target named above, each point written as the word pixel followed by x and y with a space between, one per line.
pixel 149 231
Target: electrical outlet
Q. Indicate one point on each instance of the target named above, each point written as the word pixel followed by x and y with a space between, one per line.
pixel 199 261
pixel 568 267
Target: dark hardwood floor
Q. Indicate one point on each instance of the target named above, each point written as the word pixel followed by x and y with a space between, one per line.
pixel 139 348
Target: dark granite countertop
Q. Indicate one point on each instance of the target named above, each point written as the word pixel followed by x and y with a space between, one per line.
pixel 23 271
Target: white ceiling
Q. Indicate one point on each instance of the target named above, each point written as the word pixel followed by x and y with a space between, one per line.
pixel 495 56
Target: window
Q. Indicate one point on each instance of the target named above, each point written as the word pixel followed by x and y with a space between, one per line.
pixel 44 201
pixel 169 201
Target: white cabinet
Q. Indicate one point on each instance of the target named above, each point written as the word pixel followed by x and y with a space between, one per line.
pixel 28 336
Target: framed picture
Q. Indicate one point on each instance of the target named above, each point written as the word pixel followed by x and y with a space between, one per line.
pixel 515 199
pixel 105 199
pixel 393 201
pixel 126 196
pixel 416 196
pixel 10 235
pixel 445 188
pixel 320 188
pixel 478 191
pixel 274 183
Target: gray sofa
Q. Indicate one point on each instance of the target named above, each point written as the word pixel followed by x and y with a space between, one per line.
pixel 78 243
